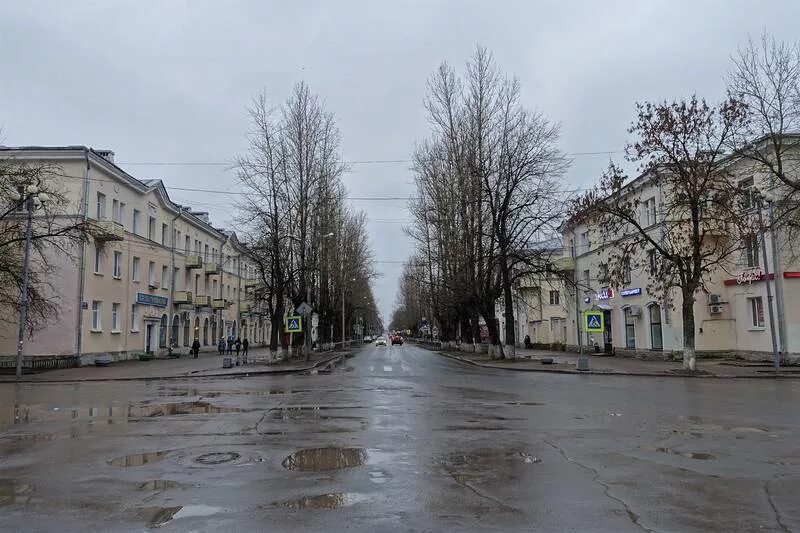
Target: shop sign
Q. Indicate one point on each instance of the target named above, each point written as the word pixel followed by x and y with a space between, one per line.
pixel 151 299
pixel 605 294
pixel 749 276
pixel 631 292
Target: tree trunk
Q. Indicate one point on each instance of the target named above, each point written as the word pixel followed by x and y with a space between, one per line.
pixel 687 308
pixel 495 347
pixel 511 333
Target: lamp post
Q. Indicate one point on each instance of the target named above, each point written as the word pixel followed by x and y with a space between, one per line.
pixel 33 199
pixel 776 360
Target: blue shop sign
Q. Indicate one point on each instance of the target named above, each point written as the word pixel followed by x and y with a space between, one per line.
pixel 631 292
pixel 151 299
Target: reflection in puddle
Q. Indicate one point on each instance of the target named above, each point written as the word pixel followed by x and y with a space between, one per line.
pixel 377 476
pixel 12 492
pixel 159 484
pixel 326 501
pixel 317 459
pixel 165 514
pixel 179 408
pixel 139 459
pixel 702 456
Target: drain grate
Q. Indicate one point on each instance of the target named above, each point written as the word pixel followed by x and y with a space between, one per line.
pixel 217 458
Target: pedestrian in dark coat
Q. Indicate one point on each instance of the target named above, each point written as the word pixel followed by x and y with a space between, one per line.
pixel 245 344
pixel 221 346
pixel 230 344
pixel 196 348
pixel 238 346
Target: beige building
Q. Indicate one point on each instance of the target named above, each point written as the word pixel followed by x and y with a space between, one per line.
pixel 160 275
pixel 730 318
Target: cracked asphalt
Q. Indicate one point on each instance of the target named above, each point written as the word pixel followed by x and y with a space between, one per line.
pixel 402 439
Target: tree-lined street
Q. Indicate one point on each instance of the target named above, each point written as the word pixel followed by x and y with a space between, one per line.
pixel 425 443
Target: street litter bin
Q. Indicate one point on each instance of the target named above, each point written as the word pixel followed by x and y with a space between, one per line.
pixel 227 362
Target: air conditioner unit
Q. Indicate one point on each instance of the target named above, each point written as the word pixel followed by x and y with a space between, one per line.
pixel 716 309
pixel 714 299
pixel 635 310
pixel 154 284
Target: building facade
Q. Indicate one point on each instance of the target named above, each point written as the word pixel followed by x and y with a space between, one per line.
pixel 156 277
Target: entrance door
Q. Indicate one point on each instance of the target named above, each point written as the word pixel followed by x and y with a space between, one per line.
pixel 608 340
pixel 656 340
pixel 148 338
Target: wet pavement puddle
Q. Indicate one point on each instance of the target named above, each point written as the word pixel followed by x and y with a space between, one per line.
pixel 16 493
pixel 162 515
pixel 330 501
pixel 378 477
pixel 217 458
pixel 180 408
pixel 701 456
pixel 321 459
pixel 159 484
pixel 139 459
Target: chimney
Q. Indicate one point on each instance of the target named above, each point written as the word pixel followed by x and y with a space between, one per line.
pixel 108 155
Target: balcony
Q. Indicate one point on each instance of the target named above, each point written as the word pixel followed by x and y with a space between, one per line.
pixel 218 303
pixel 212 268
pixel 106 230
pixel 202 301
pixel 182 297
pixel 194 261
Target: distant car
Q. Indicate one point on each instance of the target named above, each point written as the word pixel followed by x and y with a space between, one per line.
pixel 380 341
pixel 397 339
pixel 367 339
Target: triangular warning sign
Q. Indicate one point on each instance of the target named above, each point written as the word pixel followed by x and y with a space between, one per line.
pixel 594 321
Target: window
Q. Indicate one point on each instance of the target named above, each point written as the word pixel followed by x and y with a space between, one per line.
pixel 115 318
pixel 748 194
pixel 196 247
pixel 175 278
pixel 205 253
pixel 602 275
pixel 197 284
pixel 626 271
pixel 751 250
pixel 115 210
pixel 652 261
pixel 151 229
pixel 650 211
pixel 101 206
pixel 97 311
pixel 164 276
pixel 187 280
pixel 214 286
pixel 213 255
pixel 137 221
pixel 656 340
pixel 584 247
pixel 135 269
pixel 187 250
pixel 177 243
pixel 207 293
pixel 164 234
pixel 586 279
pixel 151 272
pixel 117 273
pixel 99 260
pixel 553 297
pixel 134 317
pixel 756 311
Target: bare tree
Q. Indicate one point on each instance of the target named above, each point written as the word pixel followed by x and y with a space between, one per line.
pixel 701 221
pixel 55 231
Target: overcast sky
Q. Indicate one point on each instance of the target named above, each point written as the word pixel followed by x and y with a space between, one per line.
pixel 168 81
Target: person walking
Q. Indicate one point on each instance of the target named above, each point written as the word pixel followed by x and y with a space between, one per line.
pixel 230 344
pixel 196 348
pixel 221 345
pixel 238 345
pixel 245 344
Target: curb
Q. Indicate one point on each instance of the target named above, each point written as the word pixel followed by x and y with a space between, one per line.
pixel 183 376
pixel 612 373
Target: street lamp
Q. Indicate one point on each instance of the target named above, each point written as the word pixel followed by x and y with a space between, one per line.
pixel 769 200
pixel 33 200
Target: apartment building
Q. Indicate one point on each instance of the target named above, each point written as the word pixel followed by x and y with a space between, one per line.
pixel 731 316
pixel 157 275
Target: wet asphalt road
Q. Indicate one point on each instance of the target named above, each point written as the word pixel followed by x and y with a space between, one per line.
pixel 423 444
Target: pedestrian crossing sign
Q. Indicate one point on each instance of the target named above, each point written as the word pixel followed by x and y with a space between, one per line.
pixel 294 324
pixel 593 321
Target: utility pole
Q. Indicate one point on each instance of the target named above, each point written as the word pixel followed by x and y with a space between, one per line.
pixel 776 263
pixel 775 356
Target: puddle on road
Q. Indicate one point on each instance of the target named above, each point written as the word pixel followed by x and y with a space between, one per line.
pixel 320 459
pixel 701 456
pixel 378 477
pixel 217 458
pixel 14 492
pixel 159 484
pixel 180 408
pixel 162 515
pixel 139 459
pixel 335 500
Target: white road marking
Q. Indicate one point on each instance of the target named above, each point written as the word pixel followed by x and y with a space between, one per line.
pixel 387 368
pixel 372 369
pixel 405 368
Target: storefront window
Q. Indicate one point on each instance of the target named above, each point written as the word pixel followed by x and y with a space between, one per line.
pixel 630 331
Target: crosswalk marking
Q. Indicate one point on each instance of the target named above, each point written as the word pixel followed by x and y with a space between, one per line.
pixel 387 368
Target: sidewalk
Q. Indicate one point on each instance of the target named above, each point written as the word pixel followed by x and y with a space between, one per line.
pixel 566 362
pixel 208 364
